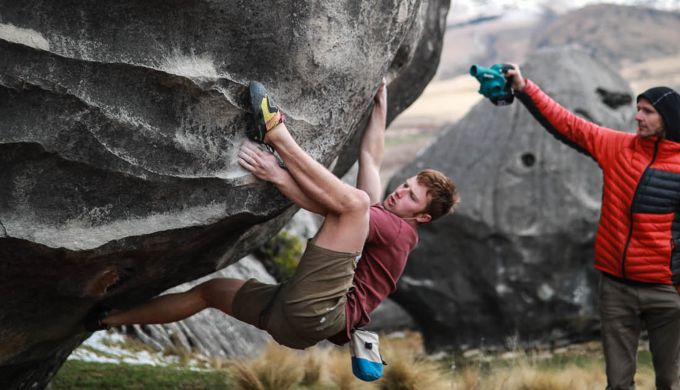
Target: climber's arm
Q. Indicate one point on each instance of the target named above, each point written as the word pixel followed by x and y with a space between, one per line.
pixel 373 147
pixel 265 166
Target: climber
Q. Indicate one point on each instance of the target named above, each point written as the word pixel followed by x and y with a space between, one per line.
pixel 636 246
pixel 349 267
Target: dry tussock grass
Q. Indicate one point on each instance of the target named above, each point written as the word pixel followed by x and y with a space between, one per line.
pixel 340 371
pixel 313 372
pixel 525 377
pixel 280 368
pixel 244 376
pixel 525 374
pixel 409 368
pixel 409 372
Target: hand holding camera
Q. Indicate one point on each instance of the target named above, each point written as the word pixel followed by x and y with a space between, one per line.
pixel 515 76
pixel 498 82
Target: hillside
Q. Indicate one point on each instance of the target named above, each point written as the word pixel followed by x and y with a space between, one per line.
pixel 489 40
pixel 618 35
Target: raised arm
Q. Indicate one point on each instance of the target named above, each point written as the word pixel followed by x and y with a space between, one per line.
pixel 373 147
pixel 265 166
pixel 584 136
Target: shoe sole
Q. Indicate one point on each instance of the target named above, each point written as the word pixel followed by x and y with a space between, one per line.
pixel 257 93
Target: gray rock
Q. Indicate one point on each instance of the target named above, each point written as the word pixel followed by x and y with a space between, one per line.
pixel 119 128
pixel 390 317
pixel 515 261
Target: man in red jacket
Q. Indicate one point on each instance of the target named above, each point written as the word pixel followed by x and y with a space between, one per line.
pixel 637 246
pixel 348 268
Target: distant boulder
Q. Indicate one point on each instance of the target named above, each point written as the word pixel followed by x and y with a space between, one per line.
pixel 515 260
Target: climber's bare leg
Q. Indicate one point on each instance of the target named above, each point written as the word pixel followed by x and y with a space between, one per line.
pixel 216 293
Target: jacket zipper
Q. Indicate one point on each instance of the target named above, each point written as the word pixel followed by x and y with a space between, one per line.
pixel 630 213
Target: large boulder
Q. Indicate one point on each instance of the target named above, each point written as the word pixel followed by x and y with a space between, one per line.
pixel 119 128
pixel 515 261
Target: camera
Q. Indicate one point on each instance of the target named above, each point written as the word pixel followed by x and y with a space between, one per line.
pixel 493 84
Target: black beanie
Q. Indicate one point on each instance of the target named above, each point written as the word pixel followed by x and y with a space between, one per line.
pixel 667 103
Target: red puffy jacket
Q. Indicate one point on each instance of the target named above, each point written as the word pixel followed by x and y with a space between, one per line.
pixel 638 237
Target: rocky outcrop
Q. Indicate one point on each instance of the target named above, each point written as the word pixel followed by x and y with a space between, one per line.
pixel 119 128
pixel 515 261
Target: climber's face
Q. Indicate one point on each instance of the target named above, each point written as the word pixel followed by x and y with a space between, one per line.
pixel 409 201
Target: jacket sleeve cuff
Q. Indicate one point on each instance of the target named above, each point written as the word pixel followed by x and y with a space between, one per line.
pixel 529 88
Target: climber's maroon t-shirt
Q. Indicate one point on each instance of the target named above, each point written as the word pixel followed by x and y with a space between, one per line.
pixel 389 242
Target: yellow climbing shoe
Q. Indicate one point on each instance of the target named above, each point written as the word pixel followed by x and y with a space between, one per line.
pixel 266 114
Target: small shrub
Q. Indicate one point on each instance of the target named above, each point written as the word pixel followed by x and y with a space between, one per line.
pixel 281 255
pixel 407 371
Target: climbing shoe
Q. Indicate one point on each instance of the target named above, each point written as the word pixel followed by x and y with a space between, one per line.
pixel 266 114
pixel 93 319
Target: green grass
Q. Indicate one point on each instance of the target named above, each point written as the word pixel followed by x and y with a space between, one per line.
pixel 87 375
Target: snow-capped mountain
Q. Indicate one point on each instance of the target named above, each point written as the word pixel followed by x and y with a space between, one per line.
pixel 486 32
pixel 462 11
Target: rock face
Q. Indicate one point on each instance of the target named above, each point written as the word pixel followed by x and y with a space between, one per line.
pixel 119 128
pixel 390 317
pixel 515 261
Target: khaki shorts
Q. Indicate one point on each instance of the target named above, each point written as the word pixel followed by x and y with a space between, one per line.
pixel 308 308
